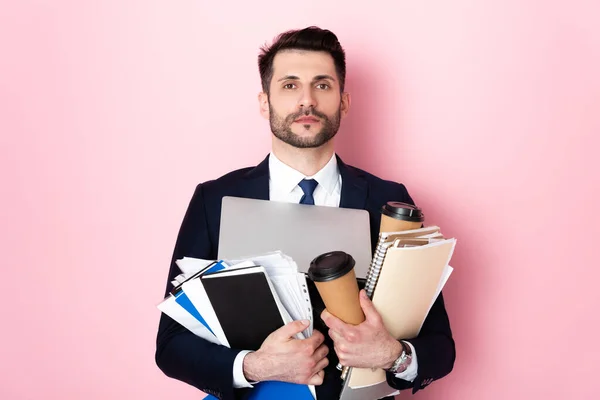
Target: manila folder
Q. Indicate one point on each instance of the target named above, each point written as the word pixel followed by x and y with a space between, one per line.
pixel 404 294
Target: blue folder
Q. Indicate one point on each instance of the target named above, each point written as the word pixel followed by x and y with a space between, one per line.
pixel 183 300
pixel 272 390
pixel 275 390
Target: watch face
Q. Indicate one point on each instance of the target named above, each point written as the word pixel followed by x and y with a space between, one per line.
pixel 402 363
pixel 401 368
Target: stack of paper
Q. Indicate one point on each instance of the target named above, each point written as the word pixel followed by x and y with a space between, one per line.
pixel 414 268
pixel 238 303
pixel 188 303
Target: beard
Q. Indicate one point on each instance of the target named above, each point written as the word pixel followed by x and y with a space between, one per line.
pixel 282 128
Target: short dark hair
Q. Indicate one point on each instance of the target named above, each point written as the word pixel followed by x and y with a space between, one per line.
pixel 311 38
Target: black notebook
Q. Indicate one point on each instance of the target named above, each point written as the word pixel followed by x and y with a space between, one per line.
pixel 245 305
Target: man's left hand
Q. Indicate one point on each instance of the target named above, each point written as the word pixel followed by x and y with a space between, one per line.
pixel 367 345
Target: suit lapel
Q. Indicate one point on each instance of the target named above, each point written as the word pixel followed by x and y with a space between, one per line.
pixel 354 187
pixel 255 184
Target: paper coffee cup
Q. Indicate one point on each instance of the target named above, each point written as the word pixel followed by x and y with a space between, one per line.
pixel 335 279
pixel 397 216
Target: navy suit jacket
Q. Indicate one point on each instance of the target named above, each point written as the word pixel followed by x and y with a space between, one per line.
pixel 208 366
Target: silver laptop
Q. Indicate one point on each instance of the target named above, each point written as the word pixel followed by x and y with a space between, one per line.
pixel 250 227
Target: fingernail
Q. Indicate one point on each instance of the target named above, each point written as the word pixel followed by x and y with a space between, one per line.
pixel 305 322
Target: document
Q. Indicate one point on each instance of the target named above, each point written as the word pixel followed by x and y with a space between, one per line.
pixel 238 303
pixel 410 280
pixel 174 310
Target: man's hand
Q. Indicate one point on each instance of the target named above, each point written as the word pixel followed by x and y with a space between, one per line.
pixel 367 345
pixel 284 358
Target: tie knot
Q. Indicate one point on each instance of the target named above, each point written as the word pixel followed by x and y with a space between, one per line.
pixel 308 186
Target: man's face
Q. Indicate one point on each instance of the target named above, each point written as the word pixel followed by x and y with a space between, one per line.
pixel 305 105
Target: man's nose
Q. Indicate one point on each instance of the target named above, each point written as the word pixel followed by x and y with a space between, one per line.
pixel 308 99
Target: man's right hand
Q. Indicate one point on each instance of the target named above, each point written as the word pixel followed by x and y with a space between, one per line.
pixel 285 358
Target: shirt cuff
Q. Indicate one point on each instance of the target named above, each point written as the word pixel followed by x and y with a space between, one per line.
pixel 412 370
pixel 239 380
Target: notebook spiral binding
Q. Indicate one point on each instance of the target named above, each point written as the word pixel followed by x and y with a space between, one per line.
pixel 376 264
pixel 371 278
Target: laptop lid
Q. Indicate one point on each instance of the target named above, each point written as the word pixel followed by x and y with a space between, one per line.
pixel 250 227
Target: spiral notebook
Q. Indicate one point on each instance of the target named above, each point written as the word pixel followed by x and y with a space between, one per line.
pixel 406 275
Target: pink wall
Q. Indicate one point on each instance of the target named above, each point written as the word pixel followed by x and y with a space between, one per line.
pixel 111 112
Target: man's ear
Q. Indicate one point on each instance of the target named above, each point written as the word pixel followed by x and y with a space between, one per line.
pixel 263 103
pixel 345 104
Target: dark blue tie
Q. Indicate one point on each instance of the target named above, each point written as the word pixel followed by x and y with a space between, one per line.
pixel 308 187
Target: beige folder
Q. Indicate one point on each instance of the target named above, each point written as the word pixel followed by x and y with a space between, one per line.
pixel 387 239
pixel 419 232
pixel 407 284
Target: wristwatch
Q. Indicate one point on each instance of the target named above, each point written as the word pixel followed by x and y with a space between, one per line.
pixel 402 362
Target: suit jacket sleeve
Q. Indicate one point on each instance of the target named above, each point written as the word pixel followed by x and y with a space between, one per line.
pixel 434 345
pixel 179 353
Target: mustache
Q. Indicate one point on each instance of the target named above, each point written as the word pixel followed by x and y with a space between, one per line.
pixel 309 112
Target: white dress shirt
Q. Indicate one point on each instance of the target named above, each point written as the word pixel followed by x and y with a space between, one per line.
pixel 283 186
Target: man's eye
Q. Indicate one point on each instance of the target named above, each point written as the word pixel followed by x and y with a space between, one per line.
pixel 289 86
pixel 323 86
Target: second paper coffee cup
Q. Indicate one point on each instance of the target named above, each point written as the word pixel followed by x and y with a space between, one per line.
pixel 335 279
pixel 397 216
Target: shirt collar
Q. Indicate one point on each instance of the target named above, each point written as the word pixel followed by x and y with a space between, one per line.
pixel 287 178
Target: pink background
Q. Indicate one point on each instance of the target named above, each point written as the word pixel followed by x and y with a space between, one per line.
pixel 112 111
